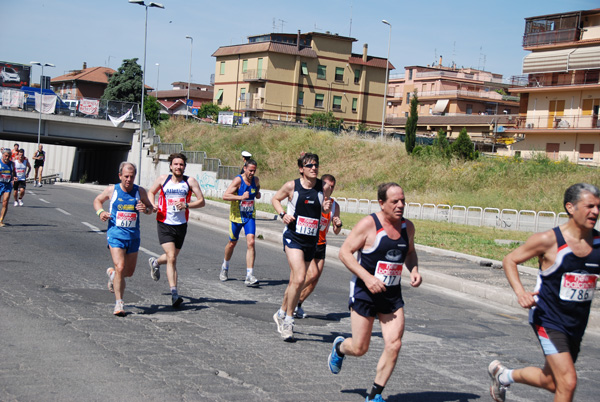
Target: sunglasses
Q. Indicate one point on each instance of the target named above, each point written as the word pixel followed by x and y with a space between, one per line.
pixel 311 165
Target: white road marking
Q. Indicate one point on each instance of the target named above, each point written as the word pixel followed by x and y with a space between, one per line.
pixel 94 228
pixel 63 211
pixel 150 253
pixel 43 200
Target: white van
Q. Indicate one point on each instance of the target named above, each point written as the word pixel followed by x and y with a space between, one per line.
pixel 72 104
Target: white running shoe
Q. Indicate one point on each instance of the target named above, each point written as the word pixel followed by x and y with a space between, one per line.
pixel 278 320
pixel 20 203
pixel 251 281
pixel 109 272
pixel 39 184
pixel 497 390
pixel 119 309
pixel 224 275
pixel 154 268
pixel 287 331
pixel 16 204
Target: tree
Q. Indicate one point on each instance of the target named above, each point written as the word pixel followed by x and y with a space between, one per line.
pixel 463 146
pixel 152 110
pixel 324 120
pixel 441 144
pixel 411 125
pixel 210 110
pixel 126 84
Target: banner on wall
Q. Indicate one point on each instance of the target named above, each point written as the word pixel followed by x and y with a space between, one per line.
pixel 89 106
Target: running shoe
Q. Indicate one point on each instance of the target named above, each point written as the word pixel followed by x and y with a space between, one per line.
pixel 287 331
pixel 278 320
pixel 35 184
pixel 40 184
pixel 16 204
pixel 334 360
pixel 119 309
pixel 299 313
pixel 154 268
pixel 111 286
pixel 251 281
pixel 20 203
pixel 224 275
pixel 176 301
pixel 497 390
pixel 377 398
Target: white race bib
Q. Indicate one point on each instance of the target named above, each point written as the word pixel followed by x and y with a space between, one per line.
pixel 307 226
pixel 388 272
pixel 172 201
pixel 5 177
pixel 247 206
pixel 576 287
pixel 126 219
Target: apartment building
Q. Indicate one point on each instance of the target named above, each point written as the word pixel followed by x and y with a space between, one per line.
pixel 85 83
pixel 288 77
pixel 559 106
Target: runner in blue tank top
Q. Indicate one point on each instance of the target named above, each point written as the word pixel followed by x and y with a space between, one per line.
pixel 7 175
pixel 127 200
pixel 569 259
pixel 385 245
pixel 307 198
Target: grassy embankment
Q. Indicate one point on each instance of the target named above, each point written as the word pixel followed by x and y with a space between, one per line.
pixel 359 165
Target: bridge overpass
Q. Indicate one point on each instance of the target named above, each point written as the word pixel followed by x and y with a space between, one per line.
pixel 98 145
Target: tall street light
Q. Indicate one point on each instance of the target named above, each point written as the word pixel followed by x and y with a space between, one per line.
pixel 157 76
pixel 187 106
pixel 387 63
pixel 150 4
pixel 37 63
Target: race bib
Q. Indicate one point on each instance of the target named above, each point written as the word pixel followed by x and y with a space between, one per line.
pixel 172 201
pixel 247 206
pixel 307 226
pixel 388 272
pixel 5 177
pixel 126 219
pixel 323 225
pixel 576 287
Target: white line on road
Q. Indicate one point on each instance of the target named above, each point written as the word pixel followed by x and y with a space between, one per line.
pixel 63 211
pixel 43 200
pixel 150 253
pixel 94 228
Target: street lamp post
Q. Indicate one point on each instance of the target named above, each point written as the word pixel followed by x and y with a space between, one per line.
pixel 187 106
pixel 37 63
pixel 150 4
pixel 387 63
pixel 157 76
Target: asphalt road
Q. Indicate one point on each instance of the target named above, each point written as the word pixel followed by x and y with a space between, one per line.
pixel 60 342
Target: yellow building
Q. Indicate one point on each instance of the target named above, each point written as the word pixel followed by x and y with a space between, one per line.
pixel 559 106
pixel 288 77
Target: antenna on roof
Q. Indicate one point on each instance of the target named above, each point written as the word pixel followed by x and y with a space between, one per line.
pixel 273 30
pixel 282 22
pixel 350 34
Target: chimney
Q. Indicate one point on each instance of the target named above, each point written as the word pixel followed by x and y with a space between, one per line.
pixel 365 47
pixel 298 41
pixel 84 65
pixel 440 66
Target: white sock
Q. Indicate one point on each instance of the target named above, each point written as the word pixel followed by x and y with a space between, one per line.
pixel 249 271
pixel 289 319
pixel 225 265
pixel 506 378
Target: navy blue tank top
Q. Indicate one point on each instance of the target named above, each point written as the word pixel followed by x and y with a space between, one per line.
pixel 305 207
pixel 566 289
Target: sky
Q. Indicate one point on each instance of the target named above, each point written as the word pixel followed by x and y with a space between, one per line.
pixel 67 33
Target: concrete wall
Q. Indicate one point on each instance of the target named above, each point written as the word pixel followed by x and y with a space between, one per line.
pixel 59 158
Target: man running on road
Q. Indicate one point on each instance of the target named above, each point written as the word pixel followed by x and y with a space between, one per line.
pixel 307 198
pixel 174 203
pixel 127 200
pixel 39 157
pixel 242 191
pixel 385 245
pixel 316 265
pixel 7 174
pixel 22 169
pixel 559 307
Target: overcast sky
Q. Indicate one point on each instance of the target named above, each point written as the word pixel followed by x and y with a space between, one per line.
pixel 485 35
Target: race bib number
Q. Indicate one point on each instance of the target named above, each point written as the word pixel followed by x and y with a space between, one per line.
pixel 323 225
pixel 388 272
pixel 172 203
pixel 5 177
pixel 247 206
pixel 126 219
pixel 576 287
pixel 307 226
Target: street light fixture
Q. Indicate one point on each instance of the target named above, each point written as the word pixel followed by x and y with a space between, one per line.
pixel 187 107
pixel 387 63
pixel 157 5
pixel 157 76
pixel 37 63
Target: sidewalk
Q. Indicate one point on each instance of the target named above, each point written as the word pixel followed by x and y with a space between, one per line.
pixel 464 273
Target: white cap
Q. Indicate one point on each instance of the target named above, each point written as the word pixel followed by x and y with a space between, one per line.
pixel 246 154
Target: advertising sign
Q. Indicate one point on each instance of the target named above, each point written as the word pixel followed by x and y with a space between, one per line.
pixel 14 75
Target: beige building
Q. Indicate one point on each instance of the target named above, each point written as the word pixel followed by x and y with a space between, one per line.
pixel 290 76
pixel 559 106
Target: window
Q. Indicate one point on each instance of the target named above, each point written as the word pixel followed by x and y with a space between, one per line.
pixel 243 94
pixel 410 74
pixel 245 66
pixel 321 72
pixel 319 100
pixel 260 66
pixel 219 97
pixel 337 103
pixel 301 98
pixel 339 73
pixel 408 97
pixel 304 69
pixel 357 76
pixel 354 104
pixel 586 152
pixel 469 109
pixel 222 67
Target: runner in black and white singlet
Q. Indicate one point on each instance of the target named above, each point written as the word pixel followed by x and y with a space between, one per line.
pixel 569 259
pixel 22 169
pixel 174 203
pixel 127 200
pixel 307 198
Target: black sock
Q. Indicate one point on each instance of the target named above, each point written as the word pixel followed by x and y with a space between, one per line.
pixel 299 304
pixel 338 351
pixel 377 389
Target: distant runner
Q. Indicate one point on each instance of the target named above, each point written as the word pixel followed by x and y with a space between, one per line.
pixel 7 174
pixel 22 169
pixel 39 157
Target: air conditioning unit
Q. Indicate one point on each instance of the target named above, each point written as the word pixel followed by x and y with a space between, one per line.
pixel 261 93
pixel 529 125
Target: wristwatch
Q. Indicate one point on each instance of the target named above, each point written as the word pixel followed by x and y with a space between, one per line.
pixel 281 214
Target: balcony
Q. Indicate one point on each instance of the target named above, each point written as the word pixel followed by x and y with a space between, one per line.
pixel 558 122
pixel 492 95
pixel 458 74
pixel 252 102
pixel 591 77
pixel 550 37
pixel 255 75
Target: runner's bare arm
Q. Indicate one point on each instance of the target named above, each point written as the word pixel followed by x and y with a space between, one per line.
pixel 144 205
pixel 197 191
pixel 154 189
pixel 284 192
pixel 412 261
pixel 231 192
pixel 100 200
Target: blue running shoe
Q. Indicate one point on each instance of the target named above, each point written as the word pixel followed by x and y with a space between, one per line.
pixel 377 398
pixel 334 360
